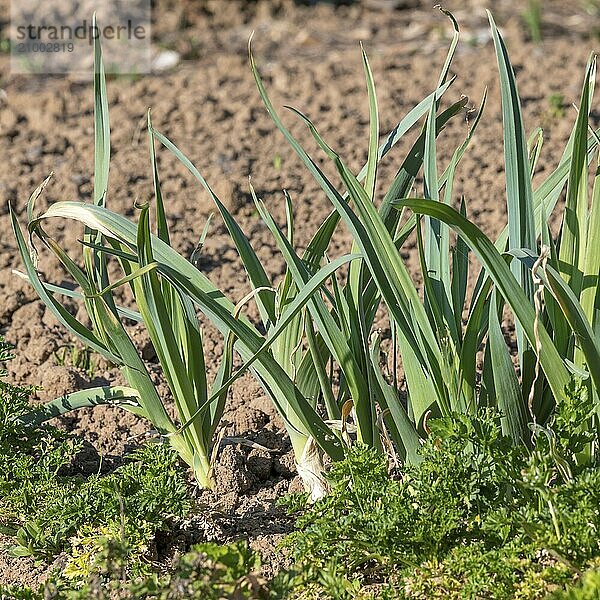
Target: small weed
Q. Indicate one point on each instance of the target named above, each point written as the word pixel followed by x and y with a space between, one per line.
pixel 556 105
pixel 588 587
pixel 207 572
pixel 532 17
pixel 75 356
pixel 476 518
pixel 49 511
pixel 591 6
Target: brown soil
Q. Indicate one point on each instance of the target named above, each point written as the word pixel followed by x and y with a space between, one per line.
pixel 209 106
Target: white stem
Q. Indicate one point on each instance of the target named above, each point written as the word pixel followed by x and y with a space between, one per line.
pixel 310 469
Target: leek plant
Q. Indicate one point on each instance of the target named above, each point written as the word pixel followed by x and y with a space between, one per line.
pixel 551 285
pixel 325 351
pixel 169 316
pixel 438 351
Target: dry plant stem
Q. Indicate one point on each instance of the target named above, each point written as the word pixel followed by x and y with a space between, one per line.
pixel 538 300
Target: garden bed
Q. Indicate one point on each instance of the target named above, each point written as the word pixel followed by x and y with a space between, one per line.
pixel 208 105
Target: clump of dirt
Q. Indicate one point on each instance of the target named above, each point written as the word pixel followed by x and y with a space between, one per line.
pixel 208 105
